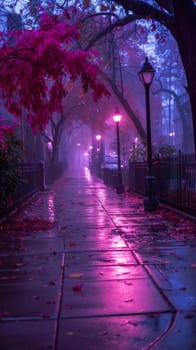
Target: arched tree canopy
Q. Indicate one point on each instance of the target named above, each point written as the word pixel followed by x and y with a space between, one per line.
pixel 179 17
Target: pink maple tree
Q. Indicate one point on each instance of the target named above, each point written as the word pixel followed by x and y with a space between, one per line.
pixel 36 63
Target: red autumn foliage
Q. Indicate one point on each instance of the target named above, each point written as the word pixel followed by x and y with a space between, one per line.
pixel 36 63
pixel 180 224
pixel 25 225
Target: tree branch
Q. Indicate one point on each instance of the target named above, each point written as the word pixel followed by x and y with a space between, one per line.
pixel 119 23
pixel 127 108
pixel 145 10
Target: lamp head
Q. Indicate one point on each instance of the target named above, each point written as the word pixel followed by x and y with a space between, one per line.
pixel 146 73
pixel 98 137
pixel 117 116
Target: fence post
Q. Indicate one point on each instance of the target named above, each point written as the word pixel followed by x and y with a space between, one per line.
pixel 41 176
pixel 180 174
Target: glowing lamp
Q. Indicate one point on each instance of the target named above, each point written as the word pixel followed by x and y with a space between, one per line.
pixel 146 74
pixel 98 137
pixel 117 116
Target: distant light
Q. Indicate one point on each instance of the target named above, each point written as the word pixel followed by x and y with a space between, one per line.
pixel 50 146
pixel 98 137
pixel 86 154
pixel 117 116
pixel 172 133
pixel 78 144
pixel 90 147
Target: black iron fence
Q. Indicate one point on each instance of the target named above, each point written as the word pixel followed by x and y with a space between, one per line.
pixel 31 180
pixel 54 171
pixel 175 181
pixel 110 177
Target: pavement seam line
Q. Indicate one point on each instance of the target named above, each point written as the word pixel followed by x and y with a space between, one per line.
pixel 175 311
pixel 163 334
pixel 60 301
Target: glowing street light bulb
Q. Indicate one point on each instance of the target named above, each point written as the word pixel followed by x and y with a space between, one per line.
pixel 98 137
pixel 117 117
pixel 50 146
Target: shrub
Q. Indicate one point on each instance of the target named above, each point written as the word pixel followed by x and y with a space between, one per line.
pixel 10 160
pixel 138 152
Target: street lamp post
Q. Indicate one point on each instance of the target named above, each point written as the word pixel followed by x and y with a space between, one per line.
pixel 79 156
pixel 117 118
pixel 146 75
pixel 98 138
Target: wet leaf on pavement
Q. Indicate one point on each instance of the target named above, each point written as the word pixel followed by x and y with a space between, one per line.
pixel 77 288
pixel 76 275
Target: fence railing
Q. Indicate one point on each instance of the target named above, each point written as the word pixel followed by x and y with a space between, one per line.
pixel 32 180
pixel 175 181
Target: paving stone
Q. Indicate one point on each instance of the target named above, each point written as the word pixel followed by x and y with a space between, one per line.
pixel 124 332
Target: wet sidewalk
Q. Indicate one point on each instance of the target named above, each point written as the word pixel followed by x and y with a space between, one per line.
pixel 105 275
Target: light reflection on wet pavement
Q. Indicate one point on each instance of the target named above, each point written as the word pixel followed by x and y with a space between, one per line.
pixel 106 276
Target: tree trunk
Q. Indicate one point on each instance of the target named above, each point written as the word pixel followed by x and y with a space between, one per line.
pixel 136 121
pixel 185 24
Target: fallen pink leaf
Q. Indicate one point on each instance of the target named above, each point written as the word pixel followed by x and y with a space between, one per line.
pixel 133 323
pixel 72 244
pixel 128 283
pixel 188 316
pixel 76 275
pixel 51 302
pixel 51 283
pixel 45 315
pixel 182 288
pixel 77 288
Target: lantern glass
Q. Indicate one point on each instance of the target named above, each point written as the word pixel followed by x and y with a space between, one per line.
pixel 117 116
pixel 146 73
